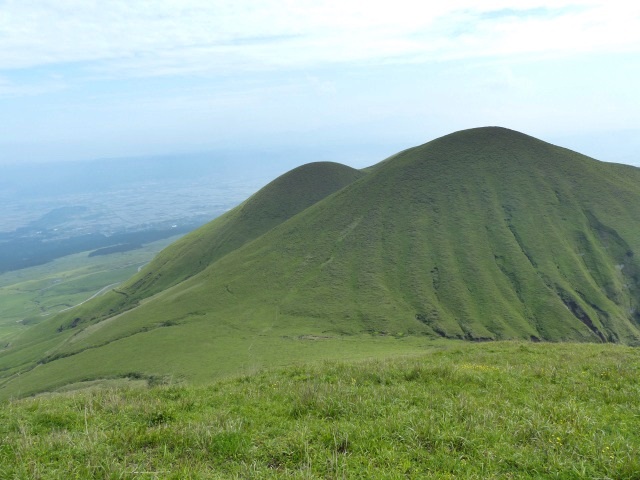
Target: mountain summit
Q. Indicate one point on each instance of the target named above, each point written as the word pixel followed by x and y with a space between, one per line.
pixel 482 234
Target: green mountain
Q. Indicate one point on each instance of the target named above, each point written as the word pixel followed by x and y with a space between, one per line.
pixel 482 234
pixel 280 200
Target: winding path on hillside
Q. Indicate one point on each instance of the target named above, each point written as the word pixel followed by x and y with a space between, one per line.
pixel 98 293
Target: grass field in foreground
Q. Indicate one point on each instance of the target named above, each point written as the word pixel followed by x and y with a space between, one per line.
pixel 490 410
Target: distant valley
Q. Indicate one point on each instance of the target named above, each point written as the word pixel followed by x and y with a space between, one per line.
pixel 70 231
pixel 54 210
pixel 481 235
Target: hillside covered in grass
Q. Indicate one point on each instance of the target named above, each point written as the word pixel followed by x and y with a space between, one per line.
pixel 462 410
pixel 484 234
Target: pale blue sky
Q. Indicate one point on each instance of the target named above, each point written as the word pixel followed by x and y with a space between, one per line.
pixel 353 80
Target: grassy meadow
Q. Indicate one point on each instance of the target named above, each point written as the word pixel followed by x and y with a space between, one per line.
pixel 30 295
pixel 462 410
pixel 484 234
pixel 316 330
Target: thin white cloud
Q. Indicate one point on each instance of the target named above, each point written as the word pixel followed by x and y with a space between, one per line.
pixel 9 88
pixel 165 37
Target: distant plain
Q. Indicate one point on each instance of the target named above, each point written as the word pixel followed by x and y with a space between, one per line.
pixel 29 295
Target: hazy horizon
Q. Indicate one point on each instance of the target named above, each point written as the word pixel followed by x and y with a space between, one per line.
pixel 84 81
pixel 622 146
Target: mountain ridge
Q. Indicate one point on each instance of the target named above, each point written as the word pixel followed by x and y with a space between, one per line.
pixel 279 200
pixel 483 234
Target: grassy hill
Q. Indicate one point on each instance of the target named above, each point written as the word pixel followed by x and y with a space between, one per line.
pixel 280 200
pixel 462 410
pixel 483 234
pixel 30 295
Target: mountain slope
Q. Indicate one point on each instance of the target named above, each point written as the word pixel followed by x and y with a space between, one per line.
pixel 278 201
pixel 482 234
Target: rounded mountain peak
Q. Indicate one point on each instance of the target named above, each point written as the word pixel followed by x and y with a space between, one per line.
pixel 275 203
pixel 298 189
pixel 481 151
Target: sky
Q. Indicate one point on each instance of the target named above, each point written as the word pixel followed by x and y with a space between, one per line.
pixel 344 80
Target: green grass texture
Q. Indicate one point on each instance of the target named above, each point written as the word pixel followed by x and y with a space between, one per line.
pixel 484 234
pixel 498 410
pixel 30 295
